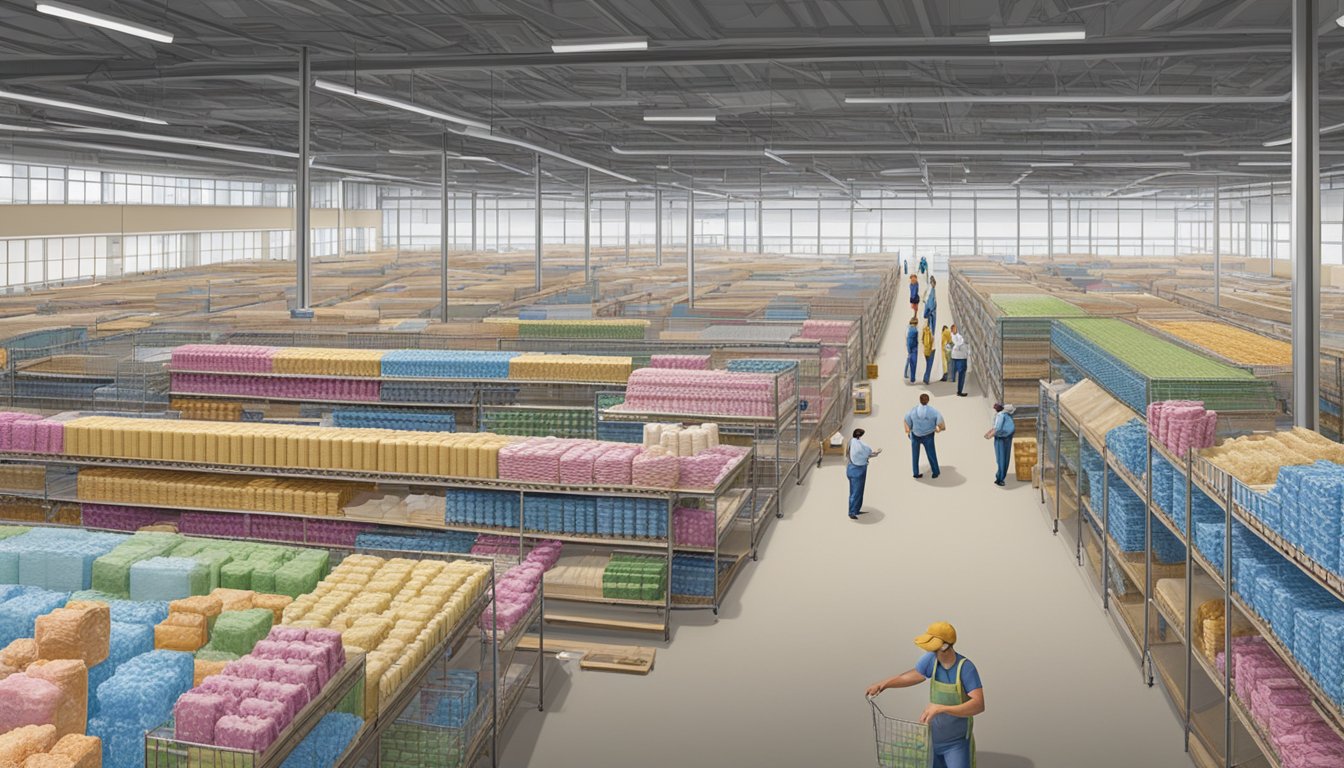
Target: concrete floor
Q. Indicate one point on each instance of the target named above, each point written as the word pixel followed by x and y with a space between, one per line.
pixel 832 606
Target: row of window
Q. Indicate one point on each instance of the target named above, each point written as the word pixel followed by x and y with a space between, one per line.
pixel 53 185
pixel 40 261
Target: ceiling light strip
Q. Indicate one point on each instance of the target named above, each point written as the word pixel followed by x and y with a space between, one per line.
pixel 1074 98
pixel 592 45
pixel 486 135
pixel 1037 35
pixel 681 116
pixel 106 22
pixel 405 106
pixel 29 98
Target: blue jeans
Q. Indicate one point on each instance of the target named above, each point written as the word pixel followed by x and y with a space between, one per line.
pixel 928 367
pixel 959 373
pixel 911 366
pixel 927 442
pixel 858 477
pixel 931 315
pixel 954 754
pixel 1003 447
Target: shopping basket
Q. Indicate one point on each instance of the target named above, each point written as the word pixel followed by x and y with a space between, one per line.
pixel 901 743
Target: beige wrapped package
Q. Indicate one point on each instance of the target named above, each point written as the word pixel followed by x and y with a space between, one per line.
pixel 207 606
pixel 83 751
pixel 81 631
pixel 21 743
pixel 48 760
pixel 181 632
pixel 232 599
pixel 19 654
pixel 276 604
pixel 204 669
pixel 72 677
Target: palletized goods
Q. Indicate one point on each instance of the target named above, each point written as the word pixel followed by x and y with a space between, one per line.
pixel 1182 425
pixel 579 368
pixel 1230 342
pixel 1034 305
pixel 722 393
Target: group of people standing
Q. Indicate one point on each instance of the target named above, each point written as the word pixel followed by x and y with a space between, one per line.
pixel 921 339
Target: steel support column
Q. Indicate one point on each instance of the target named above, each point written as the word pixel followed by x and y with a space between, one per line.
pixel 1306 180
pixel 1217 244
pixel 818 226
pixel 851 221
pixel 1247 234
pixel 536 254
pixel 1050 222
pixel 690 243
pixel 1018 231
pixel 760 227
pixel 443 232
pixel 1068 224
pixel 627 218
pixel 587 226
pixel 303 279
pixel 473 221
pixel 658 226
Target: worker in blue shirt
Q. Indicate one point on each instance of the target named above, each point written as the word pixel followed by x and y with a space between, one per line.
pixel 1002 433
pixel 956 695
pixel 931 302
pixel 914 295
pixel 921 424
pixel 923 265
pixel 912 350
pixel 857 454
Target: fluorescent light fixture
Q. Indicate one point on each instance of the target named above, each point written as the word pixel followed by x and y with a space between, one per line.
pixel 913 170
pixel 28 98
pixel 1289 139
pixel 184 140
pixel 1062 164
pixel 1146 164
pixel 592 45
pixel 1340 21
pixel 11 128
pixel 1263 164
pixel 106 22
pixel 405 106
pixel 486 135
pixel 1072 98
pixel 1037 35
pixel 681 116
pixel 775 157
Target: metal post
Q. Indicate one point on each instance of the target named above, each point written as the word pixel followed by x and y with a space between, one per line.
pixel 340 219
pixel 587 226
pixel 1147 665
pixel 790 228
pixel 914 224
pixel 851 221
pixel 881 223
pixel 1050 222
pixel 657 226
pixel 690 242
pixel 473 221
pixel 1306 182
pixel 1217 244
pixel 1176 228
pixel 975 224
pixel 1068 224
pixel 1272 244
pixel 1105 520
pixel 303 288
pixel 443 232
pixel 627 219
pixel 536 172
pixel 760 227
pixel 1247 234
pixel 1018 232
pixel 1143 237
pixel 818 225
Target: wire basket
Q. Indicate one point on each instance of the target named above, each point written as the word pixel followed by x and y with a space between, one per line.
pixel 901 743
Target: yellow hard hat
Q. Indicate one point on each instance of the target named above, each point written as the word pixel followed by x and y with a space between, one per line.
pixel 938 634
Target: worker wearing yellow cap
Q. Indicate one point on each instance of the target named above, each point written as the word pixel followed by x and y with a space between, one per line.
pixel 955 695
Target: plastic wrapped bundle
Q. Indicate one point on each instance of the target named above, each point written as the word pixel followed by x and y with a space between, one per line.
pixel 1128 442
pixel 576 464
pixel 448 364
pixel 655 470
pixel 82 751
pixel 81 630
pixel 71 677
pixel 19 744
pixel 237 631
pixel 223 357
pixel 693 527
pixel 168 578
pixel 683 362
pixel 613 466
pixel 54 558
pixel 703 470
pixel 18 615
pixel 834 331
pixel 28 701
pixel 325 744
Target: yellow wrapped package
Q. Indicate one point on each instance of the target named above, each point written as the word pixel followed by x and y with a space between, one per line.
pixel 83 751
pixel 19 744
pixel 81 631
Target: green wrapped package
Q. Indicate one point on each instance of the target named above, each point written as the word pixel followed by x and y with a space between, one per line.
pixel 236 575
pixel 216 559
pixel 10 531
pixel 297 577
pixel 190 547
pixel 237 631
pixel 208 653
pixel 112 572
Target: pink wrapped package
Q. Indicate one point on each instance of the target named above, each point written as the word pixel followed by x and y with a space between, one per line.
pixel 251 668
pixel 613 465
pixel 835 331
pixel 683 362
pixel 293 697
pixel 693 527
pixel 237 688
pixel 650 470
pixel 329 639
pixel 275 710
pixel 194 716
pixel 299 674
pixel 288 634
pixel 302 653
pixel 224 357
pixel 576 465
pixel 254 734
pixel 28 701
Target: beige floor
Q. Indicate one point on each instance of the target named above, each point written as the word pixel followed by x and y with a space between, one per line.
pixel 832 605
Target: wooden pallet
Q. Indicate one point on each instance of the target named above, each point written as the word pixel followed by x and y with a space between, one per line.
pixel 630 659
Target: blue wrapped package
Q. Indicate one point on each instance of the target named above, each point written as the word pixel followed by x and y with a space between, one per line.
pixel 143 690
pixel 1307 637
pixel 1332 656
pixel 1129 443
pixel 125 643
pixel 1161 488
pixel 18 615
pixel 169 578
pixel 325 744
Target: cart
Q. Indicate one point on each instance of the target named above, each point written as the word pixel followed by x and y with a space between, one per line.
pixel 901 743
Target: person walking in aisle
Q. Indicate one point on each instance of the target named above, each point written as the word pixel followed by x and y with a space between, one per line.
pixel 857 454
pixel 926 344
pixel 931 301
pixel 921 424
pixel 960 351
pixel 956 695
pixel 912 349
pixel 914 295
pixel 923 265
pixel 1002 433
pixel 946 344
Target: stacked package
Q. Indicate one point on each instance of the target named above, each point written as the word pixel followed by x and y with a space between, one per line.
pixel 1231 343
pixel 402 540
pixel 20 608
pixel 318 361
pixel 438 454
pixel 253 700
pixel 326 743
pixel 447 364
pixel 1305 508
pixel 1282 707
pixel 23 477
pixel 1182 425
pixel 123 518
pixel 162 566
pixel 1255 459
pixel 634 577
pixel 559 422
pixel 683 362
pixel 338 390
pixel 832 331
pixel 481 508
pixel 491 546
pixel 229 358
pixel 681 441
pixel 168 488
pixel 396 610
pixel 693 576
pixel 1126 519
pixel 414 421
pixel 761 365
pixel 207 410
pixel 711 393
pixel 581 329
pixel 584 368
pixel 30 433
pixel 516 591
pixel 693 527
pixel 1129 444
pixel 37 746
pixel 138 698
pixel 54 558
pixel 407 392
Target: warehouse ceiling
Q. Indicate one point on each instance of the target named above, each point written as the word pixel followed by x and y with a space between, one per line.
pixel 1161 93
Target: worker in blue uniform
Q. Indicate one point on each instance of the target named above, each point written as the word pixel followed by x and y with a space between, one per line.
pixel 931 302
pixel 956 695
pixel 912 350
pixel 923 265
pixel 857 454
pixel 921 424
pixel 1002 434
